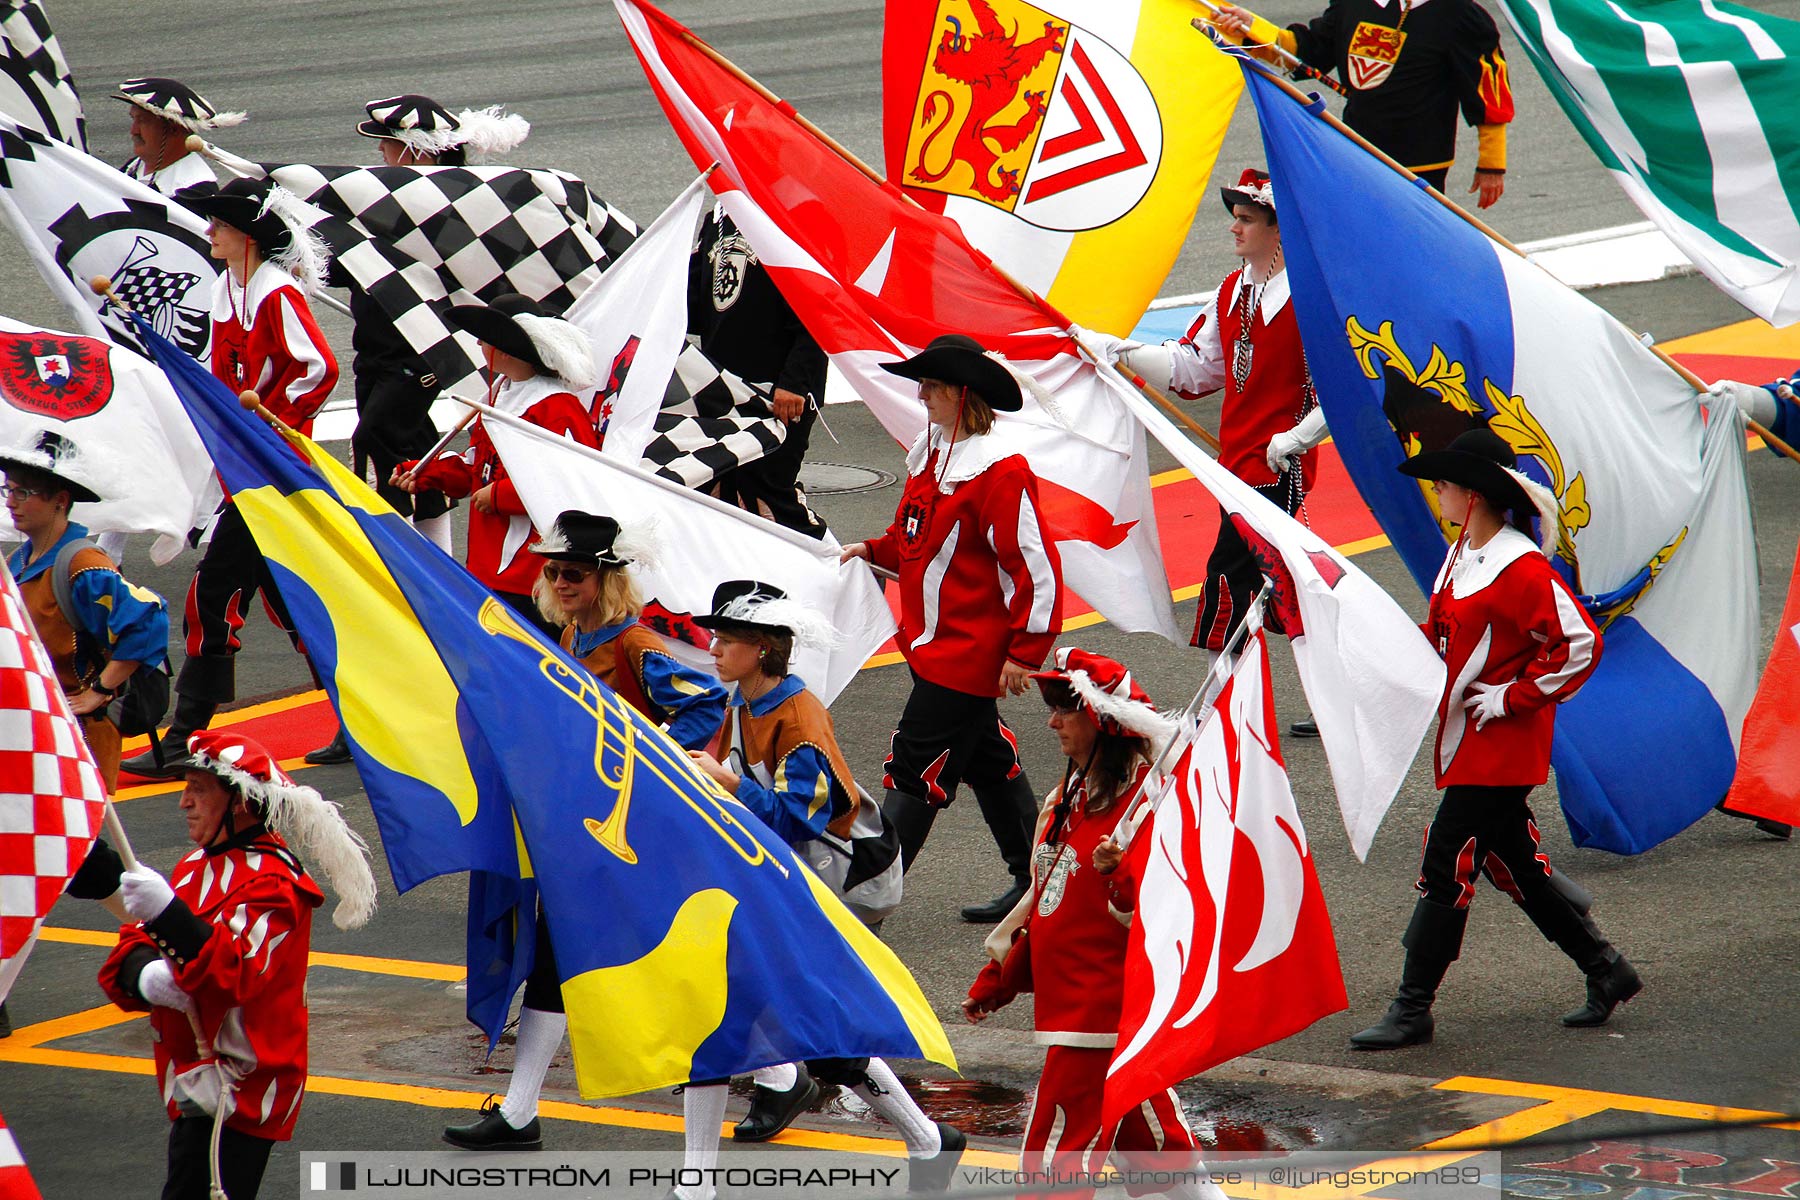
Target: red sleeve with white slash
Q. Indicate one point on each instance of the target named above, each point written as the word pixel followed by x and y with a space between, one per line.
pixel 1030 568
pixel 1568 644
pixel 560 413
pixel 305 368
pixel 226 962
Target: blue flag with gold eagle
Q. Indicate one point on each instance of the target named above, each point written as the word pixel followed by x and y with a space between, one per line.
pixel 692 943
pixel 1418 327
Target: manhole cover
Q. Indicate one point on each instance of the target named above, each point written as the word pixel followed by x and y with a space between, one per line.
pixel 833 479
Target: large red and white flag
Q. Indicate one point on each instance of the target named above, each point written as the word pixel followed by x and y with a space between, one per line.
pixel 1768 769
pixel 1231 948
pixel 15 1178
pixel 875 278
pixel 51 797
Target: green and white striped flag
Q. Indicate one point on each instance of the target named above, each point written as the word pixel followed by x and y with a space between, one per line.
pixel 1692 106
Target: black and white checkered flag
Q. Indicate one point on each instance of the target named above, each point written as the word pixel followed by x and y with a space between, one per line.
pixel 419 239
pixel 36 89
pixel 710 422
pixel 79 218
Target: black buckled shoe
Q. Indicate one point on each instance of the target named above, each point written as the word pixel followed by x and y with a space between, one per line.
pixel 1780 830
pixel 933 1174
pixel 334 752
pixel 772 1111
pixel 1607 990
pixel 1308 728
pixel 5 1021
pixel 493 1133
pixel 995 910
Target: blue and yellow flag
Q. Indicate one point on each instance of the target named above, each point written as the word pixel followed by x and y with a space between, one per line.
pixel 692 942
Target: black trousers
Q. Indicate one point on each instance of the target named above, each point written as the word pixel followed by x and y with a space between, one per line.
pixel 543 987
pixel 393 425
pixel 946 737
pixel 770 486
pixel 242 1160
pixel 1233 575
pixel 225 584
pixel 1436 178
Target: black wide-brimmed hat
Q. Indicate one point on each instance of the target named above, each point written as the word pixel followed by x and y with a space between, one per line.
pixel 58 457
pixel 1253 188
pixel 527 330
pixel 175 101
pixel 244 205
pixel 959 359
pixel 749 605
pixel 419 121
pixel 1482 461
pixel 585 538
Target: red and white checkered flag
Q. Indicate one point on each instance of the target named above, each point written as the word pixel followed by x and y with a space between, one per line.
pixel 51 797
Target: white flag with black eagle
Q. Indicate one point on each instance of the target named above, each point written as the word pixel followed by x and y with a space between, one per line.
pixel 36 88
pixel 79 217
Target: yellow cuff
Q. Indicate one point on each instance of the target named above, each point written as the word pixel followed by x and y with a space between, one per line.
pixel 1492 154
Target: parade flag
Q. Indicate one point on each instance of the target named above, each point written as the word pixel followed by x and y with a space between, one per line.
pixel 118 408
pixel 1071 139
pixel 36 88
pixel 15 1177
pixel 1231 945
pixel 1372 679
pixel 700 543
pixel 420 239
pixel 1453 331
pixel 79 218
pixel 52 798
pixel 1768 775
pixel 691 942
pixel 875 278
pixel 1690 105
pixel 662 400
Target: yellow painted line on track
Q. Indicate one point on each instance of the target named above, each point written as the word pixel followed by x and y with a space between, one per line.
pixel 1561 1105
pixel 1755 338
pixel 406 968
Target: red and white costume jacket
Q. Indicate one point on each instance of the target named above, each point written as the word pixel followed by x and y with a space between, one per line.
pixel 498 541
pixel 980 579
pixel 237 936
pixel 1277 392
pixel 1502 615
pixel 1070 950
pixel 264 337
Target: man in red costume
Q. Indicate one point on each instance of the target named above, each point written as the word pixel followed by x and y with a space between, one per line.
pixel 218 958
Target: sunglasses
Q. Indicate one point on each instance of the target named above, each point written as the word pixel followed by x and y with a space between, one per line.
pixel 568 574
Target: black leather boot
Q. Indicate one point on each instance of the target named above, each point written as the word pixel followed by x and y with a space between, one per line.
pixel 1010 811
pixel 336 751
pixel 1608 988
pixel 772 1111
pixel 911 818
pixel 1433 940
pixel 191 714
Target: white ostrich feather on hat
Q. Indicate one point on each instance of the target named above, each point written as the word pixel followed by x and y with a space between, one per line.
pixel 316 827
pixel 1031 387
pixel 307 257
pixel 1548 510
pixel 563 348
pixel 91 466
pixel 639 543
pixel 489 130
pixel 1134 716
pixel 811 627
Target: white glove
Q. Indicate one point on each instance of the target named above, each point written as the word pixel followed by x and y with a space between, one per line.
pixel 1488 702
pixel 1153 363
pixel 145 892
pixel 1757 403
pixel 156 984
pixel 1309 432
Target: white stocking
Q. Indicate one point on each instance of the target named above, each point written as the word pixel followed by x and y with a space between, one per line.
pixel 779 1078
pixel 540 1037
pixel 702 1114
pixel 436 530
pixel 889 1098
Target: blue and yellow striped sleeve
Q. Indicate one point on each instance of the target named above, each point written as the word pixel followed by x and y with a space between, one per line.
pixel 797 805
pixel 694 700
pixel 130 621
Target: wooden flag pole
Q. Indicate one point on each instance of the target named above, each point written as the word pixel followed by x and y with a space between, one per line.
pixel 877 177
pixel 1289 59
pixel 1688 376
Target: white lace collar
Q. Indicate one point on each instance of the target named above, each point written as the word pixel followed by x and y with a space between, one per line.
pixel 516 399
pixel 971 455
